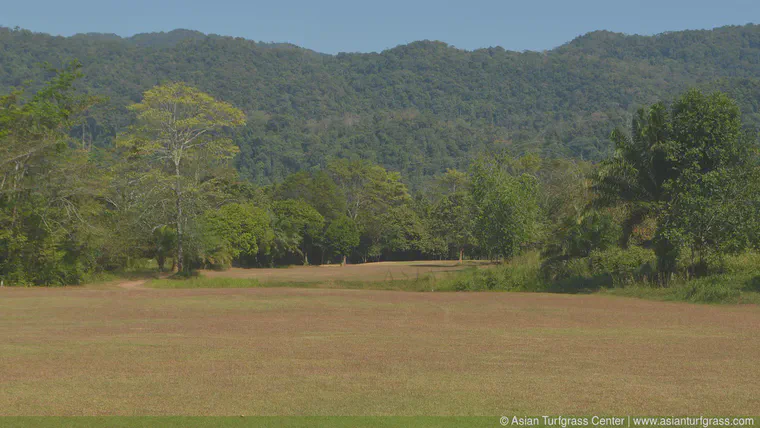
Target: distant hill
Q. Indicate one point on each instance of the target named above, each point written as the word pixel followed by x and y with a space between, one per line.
pixel 418 108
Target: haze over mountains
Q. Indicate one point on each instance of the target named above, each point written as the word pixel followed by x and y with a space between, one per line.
pixel 418 108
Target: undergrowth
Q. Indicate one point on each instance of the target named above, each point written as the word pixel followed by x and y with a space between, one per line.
pixel 614 273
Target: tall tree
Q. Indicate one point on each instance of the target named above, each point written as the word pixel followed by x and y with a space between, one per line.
pixel 48 188
pixel 297 226
pixel 712 196
pixel 367 188
pixel 505 195
pixel 637 173
pixel 692 170
pixel 235 231
pixel 178 125
pixel 342 237
pixel 452 214
pixel 317 189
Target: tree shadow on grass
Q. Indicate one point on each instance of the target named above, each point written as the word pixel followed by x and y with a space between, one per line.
pixel 449 264
pixel 580 284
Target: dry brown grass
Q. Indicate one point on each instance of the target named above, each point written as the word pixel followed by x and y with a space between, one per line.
pixel 284 351
pixel 382 271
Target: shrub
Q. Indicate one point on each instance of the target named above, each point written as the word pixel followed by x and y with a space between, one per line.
pixel 716 289
pixel 518 274
pixel 623 266
pixel 743 263
pixel 596 232
pixel 559 270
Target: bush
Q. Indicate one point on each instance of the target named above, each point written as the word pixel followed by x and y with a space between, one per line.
pixel 558 270
pixel 716 289
pixel 518 274
pixel 744 263
pixel 596 232
pixel 623 266
pixel 611 267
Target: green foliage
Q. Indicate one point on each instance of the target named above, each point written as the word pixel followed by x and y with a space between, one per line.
pixel 564 191
pixel 612 267
pixel 316 188
pixel 402 230
pixel 713 196
pixel 372 194
pixel 506 208
pixel 595 231
pixel 637 173
pixel 368 189
pixel 574 240
pixel 452 215
pixel 297 227
pixel 235 231
pixel 177 140
pixel 623 266
pixel 518 274
pixel 164 240
pixel 201 282
pixel 419 108
pixel 342 236
pixel 693 171
pixel 48 190
pixel 709 290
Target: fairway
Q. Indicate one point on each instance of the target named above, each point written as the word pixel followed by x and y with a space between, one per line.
pixel 289 351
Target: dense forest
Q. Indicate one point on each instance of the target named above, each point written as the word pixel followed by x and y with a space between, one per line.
pixel 107 168
pixel 418 109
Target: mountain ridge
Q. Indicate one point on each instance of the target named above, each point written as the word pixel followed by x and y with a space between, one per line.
pixel 182 34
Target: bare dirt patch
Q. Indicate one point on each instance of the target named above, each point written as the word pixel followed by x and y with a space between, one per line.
pixel 287 351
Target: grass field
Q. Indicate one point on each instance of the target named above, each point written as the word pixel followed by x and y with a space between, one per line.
pixel 295 351
pixel 373 272
pixel 401 276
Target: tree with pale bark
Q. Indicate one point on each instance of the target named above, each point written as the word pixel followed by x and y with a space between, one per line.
pixel 180 131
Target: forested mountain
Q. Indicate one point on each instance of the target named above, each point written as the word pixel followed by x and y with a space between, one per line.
pixel 418 108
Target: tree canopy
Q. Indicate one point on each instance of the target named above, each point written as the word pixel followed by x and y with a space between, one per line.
pixel 418 109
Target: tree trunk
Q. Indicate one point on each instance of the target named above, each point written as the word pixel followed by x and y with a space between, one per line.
pixel 304 252
pixel 179 221
pixel 344 261
pixel 161 260
pixel 461 255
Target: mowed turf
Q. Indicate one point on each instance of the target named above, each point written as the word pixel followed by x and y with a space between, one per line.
pixel 382 271
pixel 289 351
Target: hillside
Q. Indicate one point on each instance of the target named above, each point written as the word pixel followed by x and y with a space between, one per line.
pixel 418 108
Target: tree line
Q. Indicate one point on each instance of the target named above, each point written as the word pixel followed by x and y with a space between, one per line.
pixel 678 193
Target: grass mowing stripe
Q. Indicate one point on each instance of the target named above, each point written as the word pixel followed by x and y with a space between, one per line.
pixel 353 421
pixel 253 421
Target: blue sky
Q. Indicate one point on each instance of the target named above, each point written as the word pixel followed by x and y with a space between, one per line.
pixel 333 26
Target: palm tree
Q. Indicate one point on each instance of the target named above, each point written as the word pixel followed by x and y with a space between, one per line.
pixel 635 175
